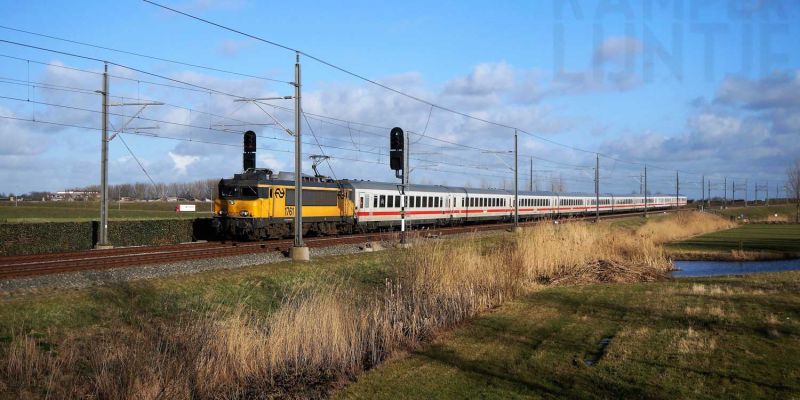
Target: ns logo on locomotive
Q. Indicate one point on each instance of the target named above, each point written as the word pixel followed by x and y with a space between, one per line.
pixel 259 204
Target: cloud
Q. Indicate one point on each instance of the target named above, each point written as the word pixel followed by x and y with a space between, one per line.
pixel 271 162
pixel 779 90
pixel 754 121
pixel 182 161
pixel 618 52
pixel 231 48
pixel 618 49
pixel 485 79
pixel 748 129
pixel 714 127
pixel 18 139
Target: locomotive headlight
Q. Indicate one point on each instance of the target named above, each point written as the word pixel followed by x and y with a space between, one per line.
pixel 222 212
pixel 244 213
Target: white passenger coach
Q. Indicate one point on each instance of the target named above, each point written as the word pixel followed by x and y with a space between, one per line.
pixel 379 204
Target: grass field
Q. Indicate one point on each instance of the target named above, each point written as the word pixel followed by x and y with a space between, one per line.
pixel 52 211
pixel 260 289
pixel 700 338
pixel 746 241
pixel 760 213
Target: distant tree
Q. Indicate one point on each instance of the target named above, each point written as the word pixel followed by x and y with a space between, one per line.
pixel 793 184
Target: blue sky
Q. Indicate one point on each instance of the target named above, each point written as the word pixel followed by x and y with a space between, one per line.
pixel 707 87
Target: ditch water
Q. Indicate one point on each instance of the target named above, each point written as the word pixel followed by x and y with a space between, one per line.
pixel 715 268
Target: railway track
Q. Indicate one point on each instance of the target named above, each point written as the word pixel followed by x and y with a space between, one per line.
pixel 42 264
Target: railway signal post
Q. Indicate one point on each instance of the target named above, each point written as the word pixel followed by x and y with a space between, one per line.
pixel 398 161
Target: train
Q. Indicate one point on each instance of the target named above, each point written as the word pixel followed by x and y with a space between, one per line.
pixel 258 204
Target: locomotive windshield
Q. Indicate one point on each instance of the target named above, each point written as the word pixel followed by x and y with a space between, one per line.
pixel 237 190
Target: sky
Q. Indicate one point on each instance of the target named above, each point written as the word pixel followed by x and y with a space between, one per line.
pixel 689 88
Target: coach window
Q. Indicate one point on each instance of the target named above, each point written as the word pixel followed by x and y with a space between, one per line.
pixel 397 201
pixel 390 202
pixel 382 201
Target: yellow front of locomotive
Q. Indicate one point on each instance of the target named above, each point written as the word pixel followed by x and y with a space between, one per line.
pixel 242 208
pixel 260 207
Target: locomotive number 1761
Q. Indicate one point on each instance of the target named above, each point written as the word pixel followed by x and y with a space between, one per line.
pixel 289 211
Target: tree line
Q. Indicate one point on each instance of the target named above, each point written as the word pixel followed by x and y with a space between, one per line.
pixel 196 190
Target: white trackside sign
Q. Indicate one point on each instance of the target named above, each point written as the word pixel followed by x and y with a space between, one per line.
pixel 186 207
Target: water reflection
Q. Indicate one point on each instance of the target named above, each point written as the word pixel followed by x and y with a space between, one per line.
pixel 713 268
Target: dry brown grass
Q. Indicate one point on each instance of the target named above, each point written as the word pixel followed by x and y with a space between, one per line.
pixel 683 225
pixel 695 342
pixel 329 334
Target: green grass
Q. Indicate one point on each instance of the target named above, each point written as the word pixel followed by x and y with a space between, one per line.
pixel 259 289
pixel 760 213
pixel 744 342
pixel 782 238
pixel 636 221
pixel 86 211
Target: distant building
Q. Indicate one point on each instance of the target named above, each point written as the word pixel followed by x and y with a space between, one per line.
pixel 73 195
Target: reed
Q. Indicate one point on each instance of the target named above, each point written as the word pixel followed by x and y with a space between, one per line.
pixel 683 225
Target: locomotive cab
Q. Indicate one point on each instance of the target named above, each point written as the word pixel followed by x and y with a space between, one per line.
pixel 243 199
